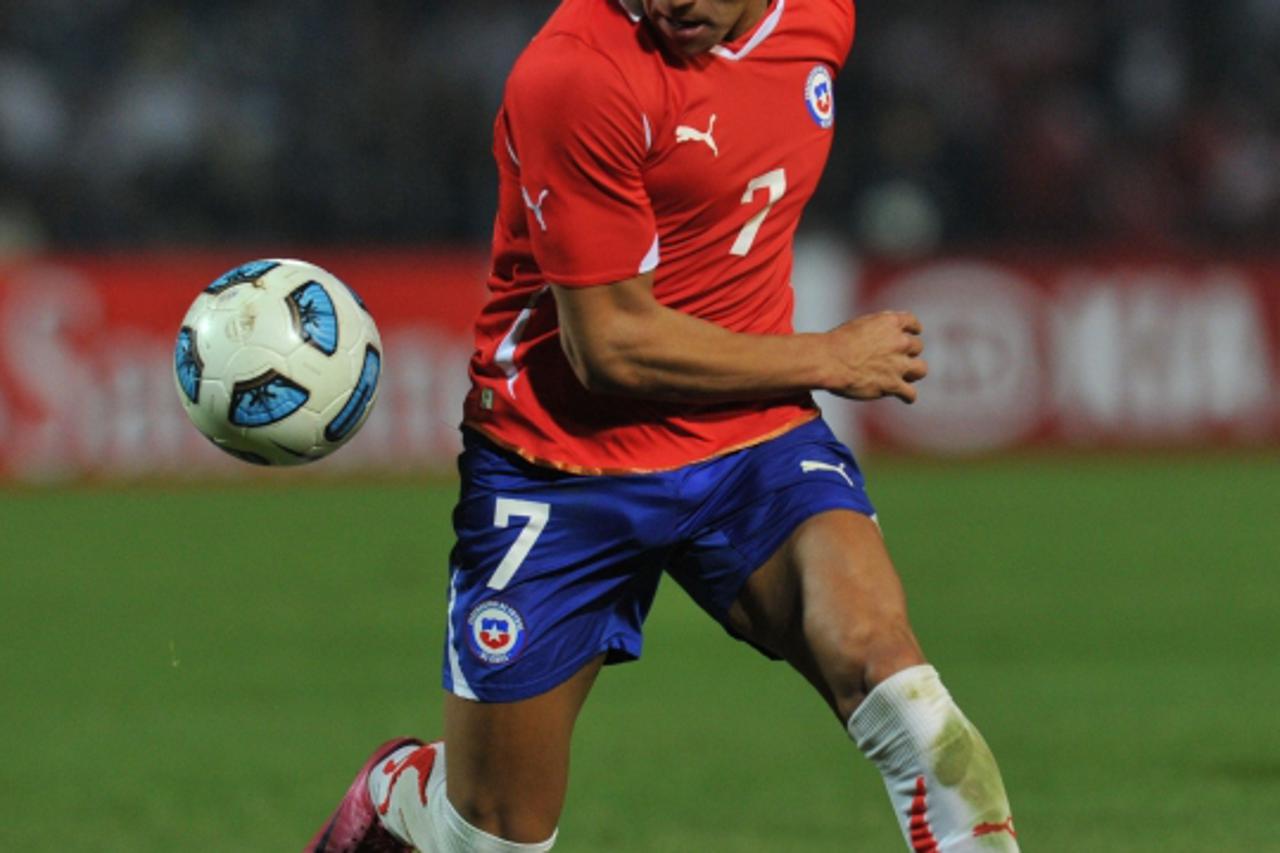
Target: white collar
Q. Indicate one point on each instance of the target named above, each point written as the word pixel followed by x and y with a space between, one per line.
pixel 763 31
pixel 767 26
pixel 631 13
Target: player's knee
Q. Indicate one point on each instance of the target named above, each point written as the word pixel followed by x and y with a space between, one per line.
pixel 519 822
pixel 860 654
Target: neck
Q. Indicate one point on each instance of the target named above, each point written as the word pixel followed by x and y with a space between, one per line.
pixel 754 13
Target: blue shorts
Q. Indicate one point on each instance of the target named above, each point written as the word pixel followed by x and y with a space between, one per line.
pixel 551 569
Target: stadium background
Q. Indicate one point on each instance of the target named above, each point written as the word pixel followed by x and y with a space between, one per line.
pixel 1082 200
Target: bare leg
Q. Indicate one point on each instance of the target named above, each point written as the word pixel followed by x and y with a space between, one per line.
pixel 830 603
pixel 508 763
pixel 496 784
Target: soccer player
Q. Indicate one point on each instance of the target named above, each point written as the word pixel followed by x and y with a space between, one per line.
pixel 640 405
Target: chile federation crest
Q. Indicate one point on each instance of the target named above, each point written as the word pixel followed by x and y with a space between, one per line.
pixel 496 631
pixel 820 96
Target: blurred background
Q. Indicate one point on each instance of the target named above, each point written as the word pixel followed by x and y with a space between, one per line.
pixel 127 123
pixel 1080 198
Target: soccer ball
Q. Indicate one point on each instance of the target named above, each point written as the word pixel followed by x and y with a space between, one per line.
pixel 277 362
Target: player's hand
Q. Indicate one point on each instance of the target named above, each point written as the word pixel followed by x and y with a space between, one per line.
pixel 878 355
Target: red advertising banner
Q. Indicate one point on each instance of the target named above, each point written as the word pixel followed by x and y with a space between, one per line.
pixel 1092 352
pixel 86 362
pixel 1087 352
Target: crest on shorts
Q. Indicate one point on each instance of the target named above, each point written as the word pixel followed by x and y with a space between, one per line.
pixel 496 631
pixel 820 96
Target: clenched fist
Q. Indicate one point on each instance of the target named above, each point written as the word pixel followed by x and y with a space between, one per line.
pixel 877 355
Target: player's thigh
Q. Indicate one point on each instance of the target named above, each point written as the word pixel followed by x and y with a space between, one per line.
pixel 830 602
pixel 508 763
pixel 551 576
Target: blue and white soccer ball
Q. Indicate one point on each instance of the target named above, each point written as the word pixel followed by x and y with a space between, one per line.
pixel 277 362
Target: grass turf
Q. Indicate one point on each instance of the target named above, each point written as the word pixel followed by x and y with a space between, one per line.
pixel 204 668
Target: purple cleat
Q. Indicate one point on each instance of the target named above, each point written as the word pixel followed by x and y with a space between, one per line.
pixel 354 826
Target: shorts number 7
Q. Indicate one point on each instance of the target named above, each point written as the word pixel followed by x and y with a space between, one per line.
pixel 537 514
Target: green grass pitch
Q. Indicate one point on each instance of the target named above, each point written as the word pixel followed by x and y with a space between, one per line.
pixel 190 668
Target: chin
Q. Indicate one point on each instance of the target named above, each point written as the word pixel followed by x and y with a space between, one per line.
pixel 691 51
pixel 695 48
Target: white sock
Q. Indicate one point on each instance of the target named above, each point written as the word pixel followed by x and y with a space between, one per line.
pixel 941 776
pixel 418 812
pixel 406 764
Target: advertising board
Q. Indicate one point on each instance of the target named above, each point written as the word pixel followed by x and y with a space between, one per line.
pixel 1078 351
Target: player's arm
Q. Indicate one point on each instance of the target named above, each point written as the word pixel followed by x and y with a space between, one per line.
pixel 621 340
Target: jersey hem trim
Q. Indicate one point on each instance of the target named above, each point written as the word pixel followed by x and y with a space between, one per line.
pixel 592 471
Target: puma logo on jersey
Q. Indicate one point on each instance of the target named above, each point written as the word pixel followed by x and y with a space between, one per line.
pixel 684 133
pixel 809 465
pixel 536 206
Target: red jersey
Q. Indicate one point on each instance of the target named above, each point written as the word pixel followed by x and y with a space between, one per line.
pixel 617 157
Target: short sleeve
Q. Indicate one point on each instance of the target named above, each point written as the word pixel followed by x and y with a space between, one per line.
pixel 579 139
pixel 846 20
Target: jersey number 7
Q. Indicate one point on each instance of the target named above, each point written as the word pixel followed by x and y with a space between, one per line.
pixel 506 509
pixel 776 183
